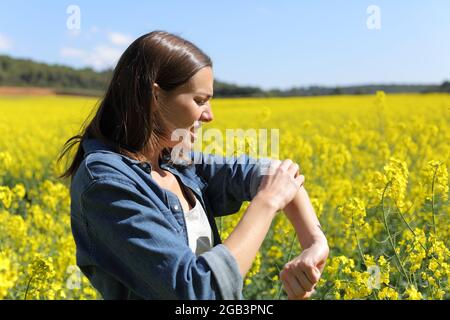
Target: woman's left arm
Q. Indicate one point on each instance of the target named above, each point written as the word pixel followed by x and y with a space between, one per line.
pixel 300 275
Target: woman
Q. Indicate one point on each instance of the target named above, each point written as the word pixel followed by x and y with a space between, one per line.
pixel 143 223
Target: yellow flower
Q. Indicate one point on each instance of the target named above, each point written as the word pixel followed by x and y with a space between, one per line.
pixel 6 196
pixel 40 274
pixel 412 293
pixel 370 261
pixel 5 162
pixel 396 172
pixel 382 261
pixel 435 177
pixel 388 293
pixel 275 252
pixel 8 274
pixel 347 152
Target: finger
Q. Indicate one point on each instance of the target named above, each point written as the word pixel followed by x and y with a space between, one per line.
pixel 292 296
pixel 274 165
pixel 294 169
pixel 317 274
pixel 312 273
pixel 285 164
pixel 288 289
pixel 306 295
pixel 295 285
pixel 300 180
pixel 306 284
pixel 304 279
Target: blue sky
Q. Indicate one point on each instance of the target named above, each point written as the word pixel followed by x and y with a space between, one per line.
pixel 271 44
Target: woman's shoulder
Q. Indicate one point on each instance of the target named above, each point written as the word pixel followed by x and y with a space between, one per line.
pixel 101 167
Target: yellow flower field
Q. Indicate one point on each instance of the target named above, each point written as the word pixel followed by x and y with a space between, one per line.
pixel 376 171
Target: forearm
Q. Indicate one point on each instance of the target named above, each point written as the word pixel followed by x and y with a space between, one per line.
pixel 247 237
pixel 301 214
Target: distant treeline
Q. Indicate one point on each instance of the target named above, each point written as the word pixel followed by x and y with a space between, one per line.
pixel 67 80
pixel 27 73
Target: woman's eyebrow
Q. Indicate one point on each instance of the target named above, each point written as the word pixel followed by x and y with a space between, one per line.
pixel 205 94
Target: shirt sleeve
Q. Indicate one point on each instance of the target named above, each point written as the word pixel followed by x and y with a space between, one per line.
pixel 230 180
pixel 136 243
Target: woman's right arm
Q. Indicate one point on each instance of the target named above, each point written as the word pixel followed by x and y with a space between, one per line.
pixel 276 190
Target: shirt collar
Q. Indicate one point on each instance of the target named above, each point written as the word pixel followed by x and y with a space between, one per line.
pixel 91 145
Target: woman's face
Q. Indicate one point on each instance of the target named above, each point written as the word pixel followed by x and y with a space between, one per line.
pixel 187 106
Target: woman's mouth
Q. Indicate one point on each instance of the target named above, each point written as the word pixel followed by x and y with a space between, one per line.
pixel 194 129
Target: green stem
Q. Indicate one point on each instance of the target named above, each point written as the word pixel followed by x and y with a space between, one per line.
pixel 361 253
pixel 390 237
pixel 408 225
pixel 414 234
pixel 28 287
pixel 289 259
pixel 432 201
pixel 326 292
pixel 357 241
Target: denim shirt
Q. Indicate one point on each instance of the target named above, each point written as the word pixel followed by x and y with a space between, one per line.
pixel 130 234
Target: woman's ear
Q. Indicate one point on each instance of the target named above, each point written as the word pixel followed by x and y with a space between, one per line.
pixel 156 90
pixel 156 94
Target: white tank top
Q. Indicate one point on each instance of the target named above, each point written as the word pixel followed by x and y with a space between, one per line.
pixel 199 231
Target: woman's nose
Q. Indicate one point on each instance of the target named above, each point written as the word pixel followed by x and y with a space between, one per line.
pixel 207 115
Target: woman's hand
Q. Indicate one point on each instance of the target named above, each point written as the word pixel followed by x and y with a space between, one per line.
pixel 300 276
pixel 281 184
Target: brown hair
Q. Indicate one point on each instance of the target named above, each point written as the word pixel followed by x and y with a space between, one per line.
pixel 125 117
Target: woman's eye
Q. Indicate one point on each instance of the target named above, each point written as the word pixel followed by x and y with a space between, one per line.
pixel 200 103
